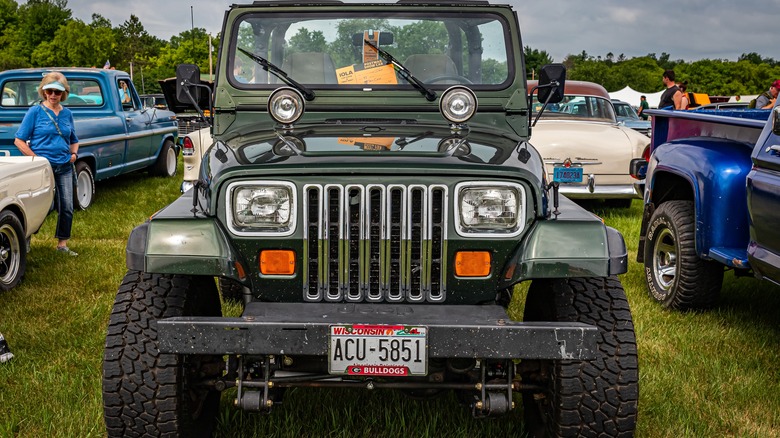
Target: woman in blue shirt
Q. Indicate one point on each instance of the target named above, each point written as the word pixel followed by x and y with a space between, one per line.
pixel 49 129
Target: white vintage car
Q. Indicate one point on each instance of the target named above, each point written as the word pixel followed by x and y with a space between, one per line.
pixel 585 149
pixel 194 145
pixel 26 194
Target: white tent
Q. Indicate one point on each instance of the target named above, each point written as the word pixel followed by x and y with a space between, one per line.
pixel 632 96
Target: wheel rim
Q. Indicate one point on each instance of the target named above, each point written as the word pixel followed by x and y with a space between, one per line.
pixel 9 254
pixel 84 188
pixel 170 160
pixel 665 259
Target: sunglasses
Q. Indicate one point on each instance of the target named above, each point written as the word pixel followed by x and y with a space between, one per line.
pixel 51 91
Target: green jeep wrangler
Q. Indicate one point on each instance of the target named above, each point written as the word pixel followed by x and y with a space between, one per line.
pixel 372 199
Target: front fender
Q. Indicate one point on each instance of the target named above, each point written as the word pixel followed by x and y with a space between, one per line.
pixel 714 172
pixel 574 244
pixel 183 245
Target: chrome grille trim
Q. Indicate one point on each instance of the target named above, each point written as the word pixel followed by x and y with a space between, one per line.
pixel 375 242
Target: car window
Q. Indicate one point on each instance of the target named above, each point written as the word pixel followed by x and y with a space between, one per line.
pixel 83 92
pixel 579 107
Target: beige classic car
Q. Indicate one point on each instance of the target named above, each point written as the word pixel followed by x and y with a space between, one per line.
pixel 194 145
pixel 584 148
pixel 26 194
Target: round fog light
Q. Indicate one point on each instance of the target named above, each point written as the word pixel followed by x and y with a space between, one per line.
pixel 285 105
pixel 458 104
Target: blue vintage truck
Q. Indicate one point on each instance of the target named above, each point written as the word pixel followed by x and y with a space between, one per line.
pixel 116 135
pixel 712 203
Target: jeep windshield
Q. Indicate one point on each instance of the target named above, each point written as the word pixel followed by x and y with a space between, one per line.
pixel 330 50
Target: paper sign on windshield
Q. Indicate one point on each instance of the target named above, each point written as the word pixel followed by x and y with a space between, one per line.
pixel 374 72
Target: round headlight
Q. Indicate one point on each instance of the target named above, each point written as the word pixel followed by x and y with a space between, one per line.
pixel 285 105
pixel 458 104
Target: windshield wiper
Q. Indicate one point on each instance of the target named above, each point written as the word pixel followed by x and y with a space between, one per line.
pixel 405 73
pixel 308 94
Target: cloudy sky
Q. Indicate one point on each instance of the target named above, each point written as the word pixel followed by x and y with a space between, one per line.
pixel 688 30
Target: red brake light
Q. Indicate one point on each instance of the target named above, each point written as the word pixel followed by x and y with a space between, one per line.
pixel 187 147
pixel 646 154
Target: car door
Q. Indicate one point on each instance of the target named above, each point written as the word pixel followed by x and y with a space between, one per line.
pixel 139 141
pixel 763 195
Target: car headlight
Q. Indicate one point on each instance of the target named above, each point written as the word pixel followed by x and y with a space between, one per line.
pixel 489 208
pixel 262 208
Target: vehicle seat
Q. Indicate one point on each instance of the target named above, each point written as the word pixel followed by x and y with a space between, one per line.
pixel 310 68
pixel 426 67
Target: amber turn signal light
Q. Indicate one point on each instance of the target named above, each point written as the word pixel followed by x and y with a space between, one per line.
pixel 472 264
pixel 277 262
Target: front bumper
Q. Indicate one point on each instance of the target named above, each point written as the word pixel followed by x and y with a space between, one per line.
pixel 596 191
pixel 454 331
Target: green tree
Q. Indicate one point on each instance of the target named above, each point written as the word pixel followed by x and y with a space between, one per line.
pixel 307 41
pixel 85 45
pixel 534 60
pixel 10 38
pixel 38 21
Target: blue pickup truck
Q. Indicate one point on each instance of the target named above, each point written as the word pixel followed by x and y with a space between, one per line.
pixel 116 135
pixel 712 203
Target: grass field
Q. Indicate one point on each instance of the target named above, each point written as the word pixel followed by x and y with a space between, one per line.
pixel 710 374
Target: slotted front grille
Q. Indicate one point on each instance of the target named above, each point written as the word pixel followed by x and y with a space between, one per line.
pixel 375 243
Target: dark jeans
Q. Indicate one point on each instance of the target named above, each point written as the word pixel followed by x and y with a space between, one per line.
pixel 63 200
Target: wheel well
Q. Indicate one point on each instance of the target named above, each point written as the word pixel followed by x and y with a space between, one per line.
pixel 89 161
pixel 670 187
pixel 16 210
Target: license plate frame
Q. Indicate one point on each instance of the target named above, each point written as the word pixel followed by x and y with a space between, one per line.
pixel 378 350
pixel 567 174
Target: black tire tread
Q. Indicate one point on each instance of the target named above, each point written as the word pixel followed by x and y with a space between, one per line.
pixel 591 398
pixel 141 386
pixel 698 281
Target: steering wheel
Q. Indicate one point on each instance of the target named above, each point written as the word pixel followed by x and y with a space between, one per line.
pixel 458 79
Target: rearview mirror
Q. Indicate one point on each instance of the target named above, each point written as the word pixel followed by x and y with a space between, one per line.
pixel 187 79
pixel 552 81
pixel 385 38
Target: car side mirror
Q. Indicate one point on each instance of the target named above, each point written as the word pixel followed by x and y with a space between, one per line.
pixel 149 102
pixel 552 80
pixel 776 120
pixel 187 81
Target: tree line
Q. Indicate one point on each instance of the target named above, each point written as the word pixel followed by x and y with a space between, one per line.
pixel 43 33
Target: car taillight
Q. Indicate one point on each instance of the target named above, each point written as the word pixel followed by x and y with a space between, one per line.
pixel 645 153
pixel 187 147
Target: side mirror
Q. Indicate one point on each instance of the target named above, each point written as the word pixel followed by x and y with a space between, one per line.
pixel 187 81
pixel 776 120
pixel 149 102
pixel 552 81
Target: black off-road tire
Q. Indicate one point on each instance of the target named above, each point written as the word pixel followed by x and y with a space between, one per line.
pixel 166 163
pixel 145 392
pixel 676 277
pixel 84 193
pixel 585 398
pixel 13 251
pixel 231 289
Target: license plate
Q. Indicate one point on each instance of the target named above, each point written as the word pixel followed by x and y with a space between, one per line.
pixel 378 350
pixel 567 174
